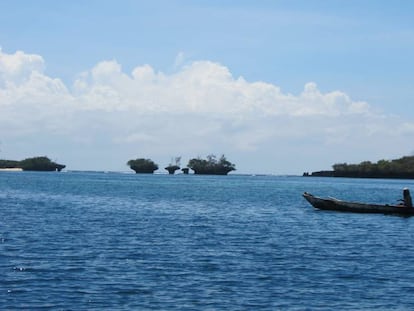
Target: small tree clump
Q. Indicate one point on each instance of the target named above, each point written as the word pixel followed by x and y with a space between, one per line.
pixel 142 166
pixel 211 166
pixel 40 164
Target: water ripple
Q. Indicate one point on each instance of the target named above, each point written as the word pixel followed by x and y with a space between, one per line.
pixel 117 241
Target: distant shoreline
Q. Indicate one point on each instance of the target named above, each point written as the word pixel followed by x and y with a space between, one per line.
pixel 402 168
pixel 391 175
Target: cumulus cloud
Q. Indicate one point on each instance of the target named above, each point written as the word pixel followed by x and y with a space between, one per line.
pixel 18 67
pixel 200 108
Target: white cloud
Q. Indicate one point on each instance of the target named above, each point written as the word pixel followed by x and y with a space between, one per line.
pixel 18 67
pixel 199 109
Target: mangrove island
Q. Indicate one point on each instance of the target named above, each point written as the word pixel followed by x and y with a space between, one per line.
pixel 32 164
pixel 142 166
pixel 402 168
pixel 211 166
pixel 172 167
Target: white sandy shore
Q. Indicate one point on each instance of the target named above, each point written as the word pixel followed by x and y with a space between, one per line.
pixel 11 169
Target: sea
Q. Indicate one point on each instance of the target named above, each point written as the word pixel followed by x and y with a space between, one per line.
pixel 117 241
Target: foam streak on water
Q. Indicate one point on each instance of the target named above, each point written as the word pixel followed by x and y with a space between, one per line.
pixel 90 241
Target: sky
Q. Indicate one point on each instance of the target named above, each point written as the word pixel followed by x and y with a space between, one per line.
pixel 278 87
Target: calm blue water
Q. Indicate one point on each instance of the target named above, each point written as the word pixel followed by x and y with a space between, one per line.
pixel 95 241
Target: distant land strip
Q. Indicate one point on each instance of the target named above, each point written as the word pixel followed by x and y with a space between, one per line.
pixel 402 168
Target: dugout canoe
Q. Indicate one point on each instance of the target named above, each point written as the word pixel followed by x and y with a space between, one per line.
pixel 334 204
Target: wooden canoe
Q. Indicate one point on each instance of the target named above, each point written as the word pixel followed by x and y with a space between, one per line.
pixel 355 207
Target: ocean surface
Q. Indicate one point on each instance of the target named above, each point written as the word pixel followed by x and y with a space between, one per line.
pixel 113 241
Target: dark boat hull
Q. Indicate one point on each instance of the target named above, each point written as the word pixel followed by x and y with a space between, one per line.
pixel 344 206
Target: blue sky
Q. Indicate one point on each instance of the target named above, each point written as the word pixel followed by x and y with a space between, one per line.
pixel 363 49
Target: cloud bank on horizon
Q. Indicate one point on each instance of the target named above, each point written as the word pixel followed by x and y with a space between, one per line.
pixel 108 116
